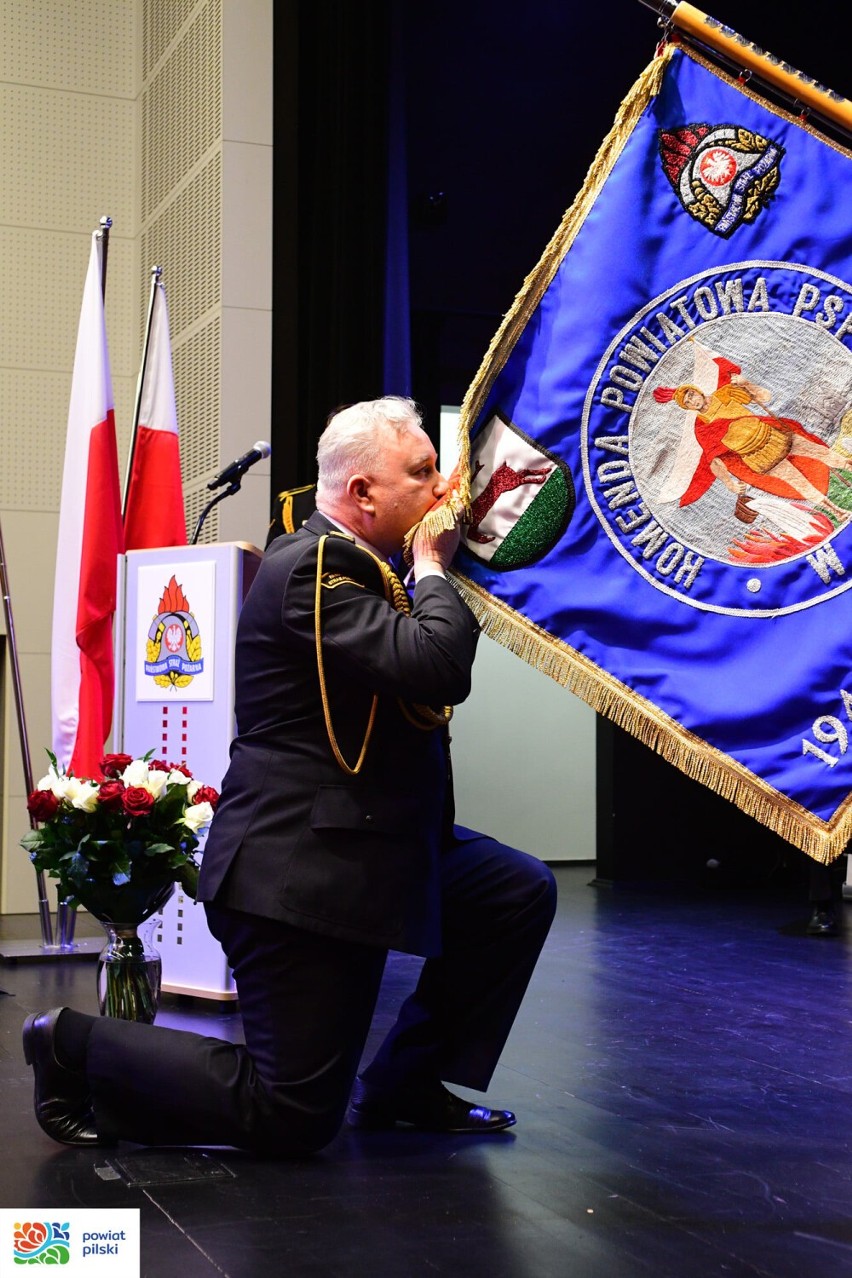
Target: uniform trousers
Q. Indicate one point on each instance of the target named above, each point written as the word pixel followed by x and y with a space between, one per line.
pixel 307 1002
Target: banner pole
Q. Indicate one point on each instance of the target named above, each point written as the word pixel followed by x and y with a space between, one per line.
pixel 156 272
pixel 801 90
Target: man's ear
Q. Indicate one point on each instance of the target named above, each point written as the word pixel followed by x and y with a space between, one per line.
pixel 359 491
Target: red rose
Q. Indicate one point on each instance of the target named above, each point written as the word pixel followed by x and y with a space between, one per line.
pixel 206 794
pixel 159 765
pixel 181 767
pixel 42 804
pixel 137 802
pixel 112 765
pixel 111 795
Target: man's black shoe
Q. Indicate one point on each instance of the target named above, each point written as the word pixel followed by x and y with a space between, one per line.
pixel 63 1106
pixel 823 920
pixel 430 1110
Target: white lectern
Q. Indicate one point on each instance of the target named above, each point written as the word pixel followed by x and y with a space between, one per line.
pixel 176 622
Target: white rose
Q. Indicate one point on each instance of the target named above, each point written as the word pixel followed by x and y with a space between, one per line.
pixel 53 781
pixel 81 794
pixel 65 787
pixel 156 783
pixel 198 816
pixel 192 789
pixel 178 778
pixel 136 774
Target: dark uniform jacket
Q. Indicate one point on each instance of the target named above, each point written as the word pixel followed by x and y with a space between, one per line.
pixel 296 837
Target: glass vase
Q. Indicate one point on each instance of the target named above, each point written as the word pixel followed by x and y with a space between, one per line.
pixel 129 975
pixel 129 968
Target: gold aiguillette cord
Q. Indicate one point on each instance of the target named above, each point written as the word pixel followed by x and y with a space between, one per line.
pixel 326 709
pixel 396 596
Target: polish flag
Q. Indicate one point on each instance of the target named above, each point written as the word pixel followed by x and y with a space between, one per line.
pixel 154 512
pixel 90 541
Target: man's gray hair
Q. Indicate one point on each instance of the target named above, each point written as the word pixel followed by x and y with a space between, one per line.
pixel 353 439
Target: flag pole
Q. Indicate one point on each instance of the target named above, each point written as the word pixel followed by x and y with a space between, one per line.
pixel 66 916
pixel 156 272
pixel 103 235
pixel 800 90
pixel 43 903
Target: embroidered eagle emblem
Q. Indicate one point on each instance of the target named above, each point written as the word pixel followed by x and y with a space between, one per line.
pixel 723 175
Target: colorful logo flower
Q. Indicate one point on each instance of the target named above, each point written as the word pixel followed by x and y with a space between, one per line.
pixel 38 1242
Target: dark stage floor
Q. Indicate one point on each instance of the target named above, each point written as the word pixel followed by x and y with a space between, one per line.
pixel 682 1075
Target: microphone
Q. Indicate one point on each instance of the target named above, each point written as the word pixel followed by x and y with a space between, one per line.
pixel 238 468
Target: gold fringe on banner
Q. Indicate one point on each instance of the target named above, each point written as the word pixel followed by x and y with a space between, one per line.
pixel 607 695
pixel 441 518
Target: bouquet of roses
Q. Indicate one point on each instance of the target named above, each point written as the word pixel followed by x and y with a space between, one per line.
pixel 139 825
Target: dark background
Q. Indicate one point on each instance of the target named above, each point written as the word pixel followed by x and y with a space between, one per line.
pixel 476 123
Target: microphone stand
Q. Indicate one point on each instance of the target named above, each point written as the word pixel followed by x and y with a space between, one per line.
pixel 233 487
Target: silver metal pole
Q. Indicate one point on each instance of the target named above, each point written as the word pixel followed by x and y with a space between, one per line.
pixel 156 272
pixel 43 904
pixel 105 223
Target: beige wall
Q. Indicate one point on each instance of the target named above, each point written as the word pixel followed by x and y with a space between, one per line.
pixel 158 114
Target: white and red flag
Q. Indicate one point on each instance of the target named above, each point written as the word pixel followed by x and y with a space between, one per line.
pixel 90 540
pixel 154 512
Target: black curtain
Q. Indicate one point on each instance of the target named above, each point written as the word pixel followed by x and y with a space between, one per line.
pixel 330 198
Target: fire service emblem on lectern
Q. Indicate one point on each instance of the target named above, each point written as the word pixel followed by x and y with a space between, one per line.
pixel 173 651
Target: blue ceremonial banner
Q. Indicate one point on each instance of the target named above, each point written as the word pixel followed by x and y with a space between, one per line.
pixel 658 449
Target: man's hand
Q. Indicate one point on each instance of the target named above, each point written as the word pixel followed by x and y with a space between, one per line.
pixel 434 551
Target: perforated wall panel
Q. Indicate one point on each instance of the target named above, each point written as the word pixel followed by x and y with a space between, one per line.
pixel 196 367
pixel 185 239
pixel 161 21
pixel 182 106
pixel 87 46
pixel 58 157
pixel 35 411
pixel 70 78
pixel 181 220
